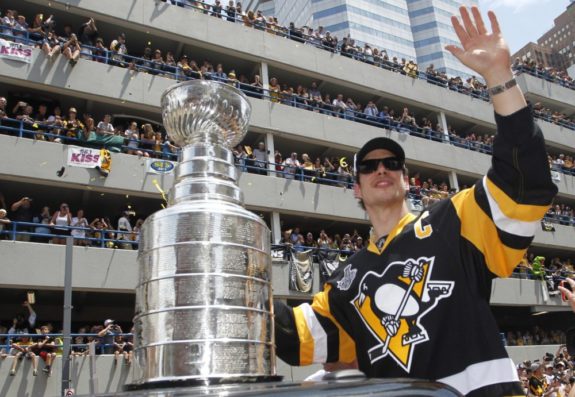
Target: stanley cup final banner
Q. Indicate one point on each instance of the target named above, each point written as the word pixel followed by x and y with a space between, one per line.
pixel 15 51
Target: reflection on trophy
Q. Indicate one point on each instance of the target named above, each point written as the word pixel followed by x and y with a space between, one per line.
pixel 204 293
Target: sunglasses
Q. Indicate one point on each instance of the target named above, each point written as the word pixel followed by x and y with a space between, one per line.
pixel 371 165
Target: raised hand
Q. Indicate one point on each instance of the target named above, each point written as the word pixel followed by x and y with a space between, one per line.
pixel 488 55
pixel 484 52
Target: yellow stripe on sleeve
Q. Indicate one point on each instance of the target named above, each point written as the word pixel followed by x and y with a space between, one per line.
pixel 479 229
pixel 513 210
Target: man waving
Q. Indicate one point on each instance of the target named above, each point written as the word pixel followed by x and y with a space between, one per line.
pixel 415 301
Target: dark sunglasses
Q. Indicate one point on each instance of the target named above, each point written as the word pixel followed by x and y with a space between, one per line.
pixel 371 165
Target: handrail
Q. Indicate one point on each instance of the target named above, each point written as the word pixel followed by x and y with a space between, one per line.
pixel 544 74
pixel 39 129
pixel 9 337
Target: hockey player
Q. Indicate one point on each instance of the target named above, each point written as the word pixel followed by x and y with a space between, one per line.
pixel 415 302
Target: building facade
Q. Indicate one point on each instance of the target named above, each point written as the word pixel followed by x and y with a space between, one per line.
pixel 410 29
pixel 104 278
pixel 556 47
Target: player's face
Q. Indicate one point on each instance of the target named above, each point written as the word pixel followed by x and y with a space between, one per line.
pixel 382 187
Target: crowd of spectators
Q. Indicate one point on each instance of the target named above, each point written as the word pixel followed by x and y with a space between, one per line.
pixel 551 375
pixel 23 338
pixel 551 74
pixel 554 117
pixel 42 225
pixel 52 125
pixel 535 336
pixel 46 122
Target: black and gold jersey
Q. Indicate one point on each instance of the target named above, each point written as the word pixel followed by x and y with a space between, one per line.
pixel 419 305
pixel 537 387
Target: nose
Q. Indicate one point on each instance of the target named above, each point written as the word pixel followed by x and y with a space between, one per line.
pixel 381 168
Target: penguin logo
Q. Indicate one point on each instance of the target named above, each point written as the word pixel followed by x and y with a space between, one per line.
pixel 392 304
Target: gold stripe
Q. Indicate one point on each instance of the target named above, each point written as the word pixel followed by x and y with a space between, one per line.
pixel 513 210
pixel 306 344
pixel 346 344
pixel 479 229
pixel 372 247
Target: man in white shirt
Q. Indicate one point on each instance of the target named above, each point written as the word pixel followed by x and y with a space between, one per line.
pixel 79 234
pixel 125 226
pixel 291 164
pixel 104 127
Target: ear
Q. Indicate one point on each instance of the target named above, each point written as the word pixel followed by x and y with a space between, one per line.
pixel 406 182
pixel 357 191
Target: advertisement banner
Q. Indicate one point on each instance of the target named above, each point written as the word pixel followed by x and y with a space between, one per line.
pixel 158 166
pixel 83 157
pixel 15 51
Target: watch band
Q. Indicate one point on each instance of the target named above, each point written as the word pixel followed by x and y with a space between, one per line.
pixel 498 89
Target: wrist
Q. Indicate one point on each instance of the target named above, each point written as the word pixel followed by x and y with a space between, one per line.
pixel 498 77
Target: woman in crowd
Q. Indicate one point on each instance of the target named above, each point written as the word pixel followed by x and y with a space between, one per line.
pixel 61 219
pixel 51 45
pixel 89 130
pixel 274 90
pixel 147 140
pixel 99 227
pixel 157 62
pixel 132 137
pixel 44 219
pixel 72 49
pixel 170 64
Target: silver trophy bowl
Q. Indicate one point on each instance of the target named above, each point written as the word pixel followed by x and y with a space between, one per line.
pixel 204 297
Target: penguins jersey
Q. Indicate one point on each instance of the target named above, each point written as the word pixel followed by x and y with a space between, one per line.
pixel 419 306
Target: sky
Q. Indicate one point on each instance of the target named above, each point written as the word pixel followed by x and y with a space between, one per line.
pixel 522 21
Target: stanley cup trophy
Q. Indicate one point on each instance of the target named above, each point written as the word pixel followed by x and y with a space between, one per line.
pixel 204 293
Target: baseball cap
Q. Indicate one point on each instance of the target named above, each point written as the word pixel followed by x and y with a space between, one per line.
pixel 535 367
pixel 378 143
pixel 108 322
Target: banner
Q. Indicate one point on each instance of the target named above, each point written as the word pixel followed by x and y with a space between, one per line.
pixel 83 157
pixel 301 271
pixel 555 176
pixel 157 166
pixel 15 51
pixel 329 262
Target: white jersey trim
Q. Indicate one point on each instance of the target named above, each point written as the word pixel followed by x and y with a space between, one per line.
pixel 509 225
pixel 318 334
pixel 482 374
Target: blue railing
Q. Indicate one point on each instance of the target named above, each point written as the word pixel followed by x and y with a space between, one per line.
pixel 545 75
pixel 75 136
pixel 38 231
pixel 10 338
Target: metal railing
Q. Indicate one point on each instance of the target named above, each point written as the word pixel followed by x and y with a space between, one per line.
pixel 9 339
pixel 42 232
pixel 545 75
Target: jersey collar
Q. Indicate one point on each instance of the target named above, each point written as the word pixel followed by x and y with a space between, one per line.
pixel 373 246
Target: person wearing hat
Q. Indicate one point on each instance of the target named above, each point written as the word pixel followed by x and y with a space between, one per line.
pixel 415 302
pixel 119 49
pixel 111 329
pixel 537 382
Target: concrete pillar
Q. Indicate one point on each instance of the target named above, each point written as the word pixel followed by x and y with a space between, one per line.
pixel 443 123
pixel 271 150
pixel 453 183
pixel 265 76
pixel 276 228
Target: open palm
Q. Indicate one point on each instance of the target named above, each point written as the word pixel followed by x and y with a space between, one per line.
pixel 485 53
